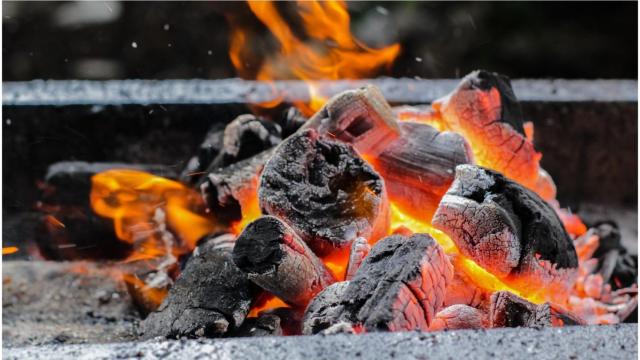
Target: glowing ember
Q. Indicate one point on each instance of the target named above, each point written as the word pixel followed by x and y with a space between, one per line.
pixel 328 51
pixel 9 250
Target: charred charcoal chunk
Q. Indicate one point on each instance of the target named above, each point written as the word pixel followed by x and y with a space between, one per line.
pixel 324 191
pixel 276 259
pixel 360 248
pixel 230 191
pixel 400 286
pixel 210 298
pixel 361 117
pixel 264 325
pixel 207 152
pixel 324 308
pixel 508 230
pixel 459 316
pixel 419 167
pixel 245 137
pixel 510 310
pixel 290 121
pixel 484 109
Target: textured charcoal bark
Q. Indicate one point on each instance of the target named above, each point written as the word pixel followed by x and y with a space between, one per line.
pixel 264 325
pixel 399 287
pixel 209 149
pixel 324 309
pixel 360 248
pixel 361 117
pixel 459 316
pixel 508 230
pixel 244 137
pixel 276 259
pixel 210 298
pixel 69 229
pixel 228 190
pixel 617 267
pixel 509 310
pixel 484 109
pixel 419 167
pixel 325 191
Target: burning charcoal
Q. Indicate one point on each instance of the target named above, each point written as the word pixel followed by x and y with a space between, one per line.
pixel 245 137
pixel 325 192
pixel 459 317
pixel 509 310
pixel 508 230
pixel 362 118
pixel 210 298
pixel 230 192
pixel 207 152
pixel 418 167
pixel 485 110
pixel 562 317
pixel 291 121
pixel 264 325
pixel 359 250
pixel 69 182
pixel 400 286
pixel 462 290
pixel 324 308
pixel 276 259
pixel 69 229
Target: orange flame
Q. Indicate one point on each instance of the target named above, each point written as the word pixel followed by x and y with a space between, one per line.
pixel 327 52
pixel 133 199
pixel 9 250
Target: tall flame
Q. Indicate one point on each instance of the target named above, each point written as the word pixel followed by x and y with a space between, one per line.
pixel 327 52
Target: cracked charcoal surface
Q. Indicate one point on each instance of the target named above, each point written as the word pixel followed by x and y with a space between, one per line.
pixel 419 167
pixel 509 310
pixel 211 297
pixel 510 106
pixel 501 224
pixel 400 286
pixel 324 190
pixel 277 260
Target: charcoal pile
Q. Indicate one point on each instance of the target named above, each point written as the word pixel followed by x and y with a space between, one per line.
pixel 355 220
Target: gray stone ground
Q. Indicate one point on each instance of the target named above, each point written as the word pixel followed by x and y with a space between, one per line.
pixel 585 342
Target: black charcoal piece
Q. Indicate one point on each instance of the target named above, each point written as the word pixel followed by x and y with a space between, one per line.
pixel 207 152
pixel 276 259
pixel 510 310
pixel 507 229
pixel 264 325
pixel 324 191
pixel 226 191
pixel 361 117
pixel 210 298
pixel 419 167
pixel 399 287
pixel 459 316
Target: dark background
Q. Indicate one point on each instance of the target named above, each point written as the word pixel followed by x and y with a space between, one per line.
pixel 67 40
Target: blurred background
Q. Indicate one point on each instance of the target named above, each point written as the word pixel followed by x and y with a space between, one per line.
pixel 117 40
